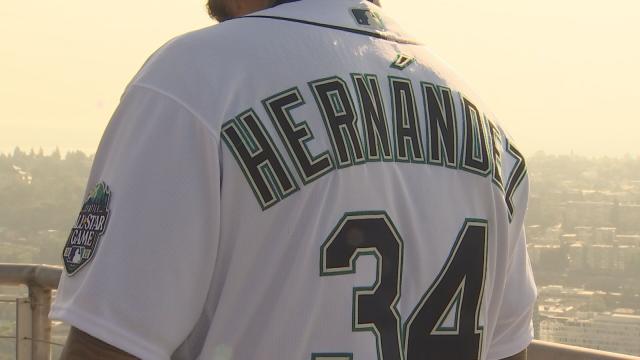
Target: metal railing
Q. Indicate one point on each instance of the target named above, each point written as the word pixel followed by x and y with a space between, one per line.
pixel 541 350
pixel 33 328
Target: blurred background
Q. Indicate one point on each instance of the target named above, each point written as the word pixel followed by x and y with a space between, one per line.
pixel 562 77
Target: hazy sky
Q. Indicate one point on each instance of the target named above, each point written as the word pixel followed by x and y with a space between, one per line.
pixel 562 76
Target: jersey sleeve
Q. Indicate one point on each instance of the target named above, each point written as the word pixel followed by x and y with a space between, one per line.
pixel 144 286
pixel 514 328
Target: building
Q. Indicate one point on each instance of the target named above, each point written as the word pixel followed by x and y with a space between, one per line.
pixel 576 257
pixel 601 257
pixel 547 257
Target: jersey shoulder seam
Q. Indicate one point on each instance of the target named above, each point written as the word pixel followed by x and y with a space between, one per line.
pixel 181 103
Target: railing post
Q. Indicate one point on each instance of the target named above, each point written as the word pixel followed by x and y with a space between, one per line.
pixel 24 329
pixel 40 306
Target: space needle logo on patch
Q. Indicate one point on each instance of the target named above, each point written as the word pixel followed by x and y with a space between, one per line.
pixel 90 225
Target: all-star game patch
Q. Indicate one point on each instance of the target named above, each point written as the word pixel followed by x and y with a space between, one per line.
pixel 86 232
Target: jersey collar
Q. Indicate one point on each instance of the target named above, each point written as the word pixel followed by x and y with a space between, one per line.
pixel 355 16
pixel 280 2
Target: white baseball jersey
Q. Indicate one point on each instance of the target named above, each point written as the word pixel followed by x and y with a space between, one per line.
pixel 306 182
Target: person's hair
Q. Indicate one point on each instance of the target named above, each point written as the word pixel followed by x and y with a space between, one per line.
pixel 217 11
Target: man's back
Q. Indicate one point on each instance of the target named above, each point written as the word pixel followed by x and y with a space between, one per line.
pixel 305 183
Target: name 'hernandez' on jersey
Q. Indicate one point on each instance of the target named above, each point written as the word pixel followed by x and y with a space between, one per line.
pixel 307 182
